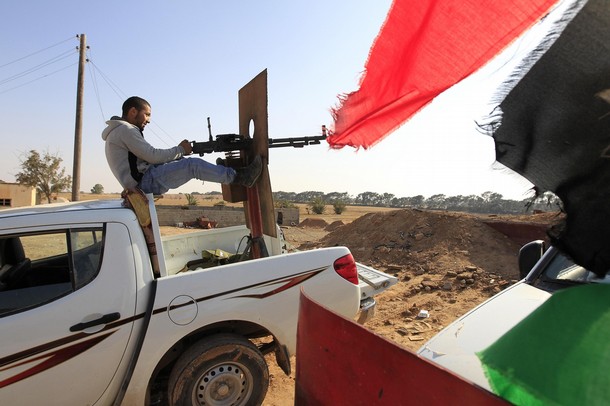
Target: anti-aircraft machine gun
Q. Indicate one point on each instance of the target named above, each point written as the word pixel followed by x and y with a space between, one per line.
pixel 229 143
pixel 251 140
pixel 236 147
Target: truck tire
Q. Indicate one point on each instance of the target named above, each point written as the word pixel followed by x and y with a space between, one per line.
pixel 224 369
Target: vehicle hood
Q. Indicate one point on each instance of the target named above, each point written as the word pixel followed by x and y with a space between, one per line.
pixel 455 347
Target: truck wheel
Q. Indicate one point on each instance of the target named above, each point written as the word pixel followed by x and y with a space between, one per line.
pixel 225 369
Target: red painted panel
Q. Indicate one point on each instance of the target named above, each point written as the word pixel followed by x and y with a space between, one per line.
pixel 338 362
pixel 521 233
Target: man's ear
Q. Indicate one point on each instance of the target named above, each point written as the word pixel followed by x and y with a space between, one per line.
pixel 132 113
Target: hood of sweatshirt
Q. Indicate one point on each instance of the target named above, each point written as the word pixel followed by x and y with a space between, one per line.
pixel 113 123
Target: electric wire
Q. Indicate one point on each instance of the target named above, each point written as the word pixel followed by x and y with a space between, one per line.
pixel 122 96
pixel 38 78
pixel 109 82
pixel 94 73
pixel 36 52
pixel 95 85
pixel 36 68
pixel 163 131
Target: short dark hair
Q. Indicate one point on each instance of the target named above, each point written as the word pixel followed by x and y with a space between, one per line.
pixel 134 101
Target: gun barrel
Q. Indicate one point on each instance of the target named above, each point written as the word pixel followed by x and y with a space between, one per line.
pixel 295 142
pixel 236 142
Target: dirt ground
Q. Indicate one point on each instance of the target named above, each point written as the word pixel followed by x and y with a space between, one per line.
pixel 446 263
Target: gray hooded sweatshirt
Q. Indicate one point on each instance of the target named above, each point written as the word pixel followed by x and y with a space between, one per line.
pixel 122 139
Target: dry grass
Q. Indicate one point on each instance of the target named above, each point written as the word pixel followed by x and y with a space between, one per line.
pixel 350 214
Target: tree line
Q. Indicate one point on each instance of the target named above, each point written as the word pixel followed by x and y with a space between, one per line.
pixel 44 172
pixel 487 202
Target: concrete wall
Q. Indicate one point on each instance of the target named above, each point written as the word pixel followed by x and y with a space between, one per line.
pixel 16 195
pixel 224 216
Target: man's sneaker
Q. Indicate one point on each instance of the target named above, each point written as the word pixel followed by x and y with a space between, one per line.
pixel 248 175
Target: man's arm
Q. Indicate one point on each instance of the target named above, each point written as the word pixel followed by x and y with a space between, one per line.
pixel 137 145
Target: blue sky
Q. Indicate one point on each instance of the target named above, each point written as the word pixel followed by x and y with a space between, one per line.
pixel 190 58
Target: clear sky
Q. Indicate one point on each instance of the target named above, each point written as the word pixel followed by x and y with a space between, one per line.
pixel 189 58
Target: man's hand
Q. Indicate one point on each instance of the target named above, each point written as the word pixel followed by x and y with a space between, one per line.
pixel 186 146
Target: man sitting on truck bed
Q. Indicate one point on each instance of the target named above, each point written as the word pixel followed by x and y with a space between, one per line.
pixel 136 163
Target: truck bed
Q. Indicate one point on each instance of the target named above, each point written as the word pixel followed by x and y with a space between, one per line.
pixel 178 250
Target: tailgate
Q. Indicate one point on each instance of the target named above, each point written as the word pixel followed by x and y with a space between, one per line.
pixel 372 281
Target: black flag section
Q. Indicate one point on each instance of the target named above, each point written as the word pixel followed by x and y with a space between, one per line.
pixel 555 131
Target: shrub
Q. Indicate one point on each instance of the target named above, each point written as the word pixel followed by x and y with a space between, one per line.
pixel 318 206
pixel 191 200
pixel 339 206
pixel 283 204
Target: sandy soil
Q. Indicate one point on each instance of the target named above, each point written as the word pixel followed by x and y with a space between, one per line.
pixel 446 263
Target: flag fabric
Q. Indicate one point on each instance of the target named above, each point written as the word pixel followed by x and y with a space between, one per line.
pixel 553 128
pixel 423 48
pixel 558 355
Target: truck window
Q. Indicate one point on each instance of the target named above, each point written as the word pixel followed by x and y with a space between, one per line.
pixel 563 269
pixel 38 268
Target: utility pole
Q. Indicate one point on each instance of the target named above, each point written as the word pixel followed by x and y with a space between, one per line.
pixel 78 129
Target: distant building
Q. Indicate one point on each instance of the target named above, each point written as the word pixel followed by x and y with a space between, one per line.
pixel 16 195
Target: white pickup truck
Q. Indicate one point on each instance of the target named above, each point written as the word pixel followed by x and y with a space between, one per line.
pixel 85 320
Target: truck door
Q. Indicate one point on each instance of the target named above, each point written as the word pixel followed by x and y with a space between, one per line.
pixel 67 307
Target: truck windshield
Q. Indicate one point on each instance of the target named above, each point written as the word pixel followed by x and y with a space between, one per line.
pixel 563 269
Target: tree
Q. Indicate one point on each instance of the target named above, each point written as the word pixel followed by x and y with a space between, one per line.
pixel 491 196
pixel 308 196
pixel 333 196
pixel 436 201
pixel 97 189
pixel 44 173
pixel 368 199
pixel 386 199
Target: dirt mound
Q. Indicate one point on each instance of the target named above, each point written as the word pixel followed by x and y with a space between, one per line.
pixel 334 225
pixel 446 263
pixel 313 223
pixel 426 239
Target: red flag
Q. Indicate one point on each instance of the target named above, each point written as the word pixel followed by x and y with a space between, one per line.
pixel 423 48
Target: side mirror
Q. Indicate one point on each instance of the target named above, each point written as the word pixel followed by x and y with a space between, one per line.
pixel 529 255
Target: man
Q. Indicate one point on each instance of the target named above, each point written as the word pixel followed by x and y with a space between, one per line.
pixel 136 163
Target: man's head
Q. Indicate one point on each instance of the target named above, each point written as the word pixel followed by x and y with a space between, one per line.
pixel 136 111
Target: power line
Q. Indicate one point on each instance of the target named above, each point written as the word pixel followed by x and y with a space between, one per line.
pixel 34 80
pixel 109 82
pixel 48 62
pixel 95 86
pixel 122 96
pixel 36 52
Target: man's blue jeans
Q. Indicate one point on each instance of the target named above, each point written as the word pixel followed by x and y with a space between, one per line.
pixel 158 179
